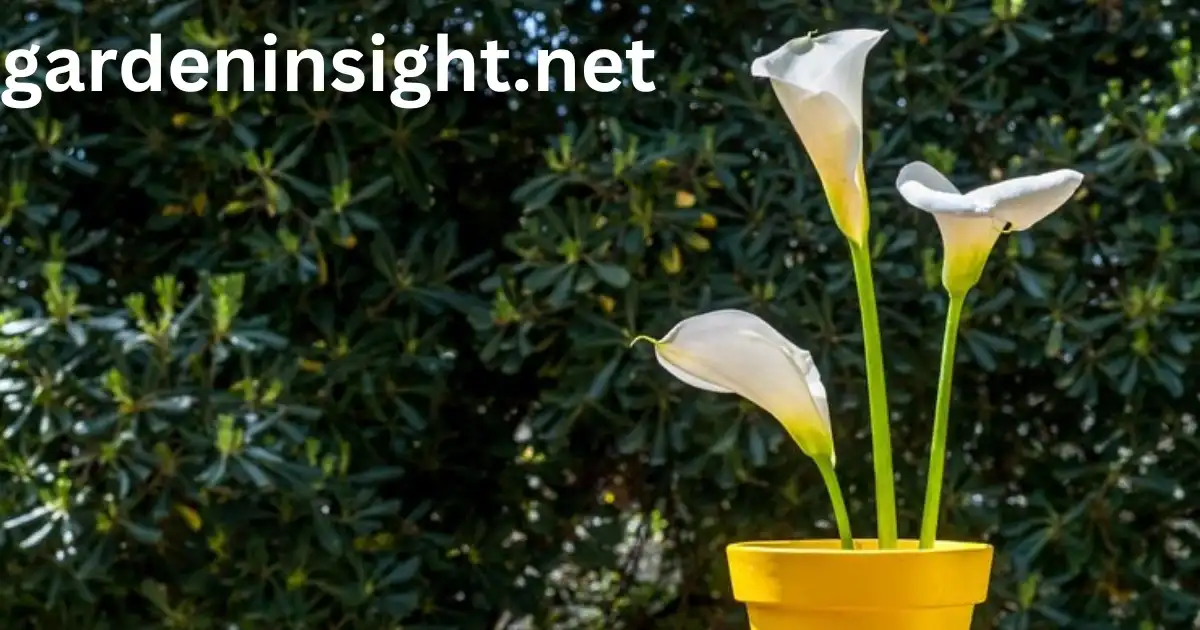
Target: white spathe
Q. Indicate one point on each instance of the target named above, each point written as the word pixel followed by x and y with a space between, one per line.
pixel 819 83
pixel 735 352
pixel 970 223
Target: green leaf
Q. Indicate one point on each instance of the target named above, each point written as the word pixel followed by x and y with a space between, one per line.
pixel 1030 282
pixel 24 326
pixel 539 191
pixel 168 14
pixel 143 533
pixel 402 572
pixel 612 275
pixel 327 537
pixel 633 441
pixel 372 190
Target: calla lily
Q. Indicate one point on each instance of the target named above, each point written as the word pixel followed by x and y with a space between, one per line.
pixel 819 83
pixel 735 352
pixel 970 223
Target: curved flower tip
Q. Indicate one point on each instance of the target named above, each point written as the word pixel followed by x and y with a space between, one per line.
pixel 970 223
pixel 735 352
pixel 647 338
pixel 819 83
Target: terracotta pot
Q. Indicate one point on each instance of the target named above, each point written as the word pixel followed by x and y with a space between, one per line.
pixel 815 585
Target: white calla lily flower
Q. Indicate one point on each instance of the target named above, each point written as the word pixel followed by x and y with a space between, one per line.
pixel 819 83
pixel 970 223
pixel 735 352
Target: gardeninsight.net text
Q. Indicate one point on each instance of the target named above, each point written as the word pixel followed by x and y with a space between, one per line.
pixel 191 70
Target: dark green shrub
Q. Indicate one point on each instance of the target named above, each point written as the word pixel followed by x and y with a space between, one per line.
pixel 234 394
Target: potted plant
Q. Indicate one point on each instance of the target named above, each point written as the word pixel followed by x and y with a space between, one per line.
pixel 885 583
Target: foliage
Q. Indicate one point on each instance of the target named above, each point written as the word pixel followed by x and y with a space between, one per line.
pixel 306 360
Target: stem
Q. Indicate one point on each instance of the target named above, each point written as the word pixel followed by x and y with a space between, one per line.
pixel 941 426
pixel 881 437
pixel 840 515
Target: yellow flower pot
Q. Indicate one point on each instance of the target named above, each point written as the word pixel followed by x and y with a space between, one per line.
pixel 815 585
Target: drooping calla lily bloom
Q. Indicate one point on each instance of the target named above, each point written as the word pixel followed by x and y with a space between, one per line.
pixel 819 83
pixel 735 352
pixel 970 223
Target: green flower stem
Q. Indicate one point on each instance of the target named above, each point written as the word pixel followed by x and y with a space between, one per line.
pixel 881 437
pixel 941 426
pixel 840 515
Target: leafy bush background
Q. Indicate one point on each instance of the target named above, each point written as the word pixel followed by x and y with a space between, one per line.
pixel 309 361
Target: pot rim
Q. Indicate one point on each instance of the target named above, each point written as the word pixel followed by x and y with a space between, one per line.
pixel 862 546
